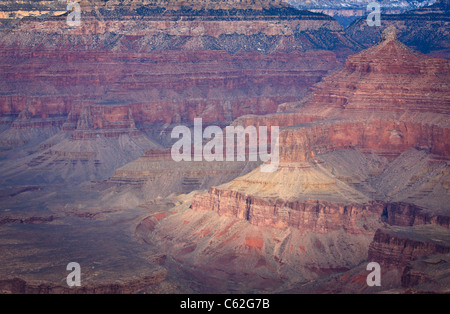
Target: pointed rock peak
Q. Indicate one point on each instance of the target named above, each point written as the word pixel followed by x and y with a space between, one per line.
pixel 388 52
pixel 389 34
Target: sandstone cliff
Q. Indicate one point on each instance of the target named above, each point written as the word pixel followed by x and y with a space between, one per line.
pixel 396 247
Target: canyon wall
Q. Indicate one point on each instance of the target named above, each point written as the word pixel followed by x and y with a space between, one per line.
pixel 133 70
pixel 312 215
pixel 168 68
pixel 398 247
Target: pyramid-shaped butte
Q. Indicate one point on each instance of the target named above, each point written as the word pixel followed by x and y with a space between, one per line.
pixel 388 98
pixel 387 80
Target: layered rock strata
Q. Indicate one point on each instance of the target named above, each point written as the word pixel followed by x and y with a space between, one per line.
pixel 357 156
pixel 136 69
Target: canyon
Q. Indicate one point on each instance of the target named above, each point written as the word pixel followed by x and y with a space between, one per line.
pixel 87 174
pixel 339 174
pixel 124 83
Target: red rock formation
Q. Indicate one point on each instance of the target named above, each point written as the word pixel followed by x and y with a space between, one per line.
pixel 312 215
pixel 303 143
pixel 397 248
pixel 160 70
pixel 106 120
pixel 345 111
pixel 387 98
pixel 386 101
pixel 377 129
pixel 403 214
pixel 167 71
pixel 310 218
pixel 211 84
pixel 387 77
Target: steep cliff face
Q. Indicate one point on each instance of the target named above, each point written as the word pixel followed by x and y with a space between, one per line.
pixel 398 246
pixel 313 216
pixel 337 191
pixel 229 253
pixel 106 120
pixel 391 137
pixel 403 214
